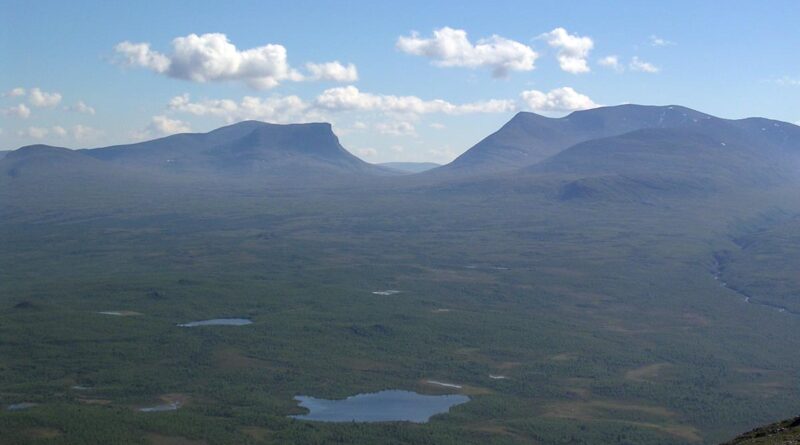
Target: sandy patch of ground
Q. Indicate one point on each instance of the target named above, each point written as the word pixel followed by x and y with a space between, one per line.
pixel 658 418
pixel 647 372
pixel 43 433
pixel 160 439
pixel 256 432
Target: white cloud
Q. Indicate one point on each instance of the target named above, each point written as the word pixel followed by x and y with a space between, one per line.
pixel 442 155
pixel 572 50
pixel 451 48
pixel 59 131
pixel 21 111
pixel 398 128
pixel 366 152
pixel 350 98
pixel 15 92
pixel 140 54
pixel 658 41
pixel 611 62
pixel 642 66
pixel 437 126
pixel 39 98
pixel 83 133
pixel 403 110
pixel 163 126
pixel 273 109
pixel 557 100
pixel 81 107
pixel 212 57
pixel 787 81
pixel 332 71
pixel 397 148
pixel 34 132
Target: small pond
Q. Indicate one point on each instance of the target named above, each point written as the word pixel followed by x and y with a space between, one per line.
pixel 383 406
pixel 20 406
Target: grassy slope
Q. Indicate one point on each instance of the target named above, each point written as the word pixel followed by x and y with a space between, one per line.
pixel 781 433
pixel 603 314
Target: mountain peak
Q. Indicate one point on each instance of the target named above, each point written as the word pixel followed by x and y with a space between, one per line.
pixel 529 138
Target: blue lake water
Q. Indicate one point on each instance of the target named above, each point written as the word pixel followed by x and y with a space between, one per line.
pixel 217 322
pixel 383 406
pixel 20 406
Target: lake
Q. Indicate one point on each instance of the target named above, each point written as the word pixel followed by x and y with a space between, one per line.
pixel 383 406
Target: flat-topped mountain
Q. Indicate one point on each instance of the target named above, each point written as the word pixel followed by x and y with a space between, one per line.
pixel 249 150
pixel 248 147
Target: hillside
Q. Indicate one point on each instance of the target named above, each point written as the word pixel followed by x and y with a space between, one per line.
pixel 530 138
pixel 781 433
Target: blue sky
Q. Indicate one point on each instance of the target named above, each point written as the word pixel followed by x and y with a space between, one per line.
pixel 413 81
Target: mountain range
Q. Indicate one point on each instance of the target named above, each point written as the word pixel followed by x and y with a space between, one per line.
pixel 622 145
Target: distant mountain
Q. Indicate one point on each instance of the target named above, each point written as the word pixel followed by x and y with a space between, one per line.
pixel 249 147
pixel 659 161
pixel 297 153
pixel 3 153
pixel 530 138
pixel 48 160
pixel 410 167
pixel 781 433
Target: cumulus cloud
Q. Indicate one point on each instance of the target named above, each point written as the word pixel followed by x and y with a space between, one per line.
pixel 84 133
pixel 451 48
pixel 333 71
pixel 289 109
pixel 81 107
pixel 21 111
pixel 558 100
pixel 59 131
pixel 140 54
pixel 572 50
pixel 274 109
pixel 41 99
pixel 212 57
pixel 787 81
pixel 163 126
pixel 658 41
pixel 642 66
pixel 34 132
pixel 350 98
pixel 15 92
pixel 366 151
pixel 442 155
pixel 398 128
pixel 611 62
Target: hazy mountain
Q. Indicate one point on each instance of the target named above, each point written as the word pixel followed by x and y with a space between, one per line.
pixel 248 147
pixel 3 153
pixel 35 160
pixel 410 167
pixel 529 138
